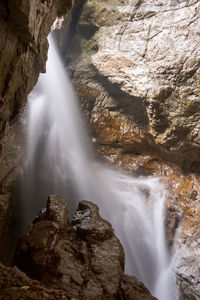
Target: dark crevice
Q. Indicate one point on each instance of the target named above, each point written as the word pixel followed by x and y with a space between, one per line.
pixel 76 14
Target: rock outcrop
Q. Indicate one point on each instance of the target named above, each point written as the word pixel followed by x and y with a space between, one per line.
pixel 24 26
pixel 83 258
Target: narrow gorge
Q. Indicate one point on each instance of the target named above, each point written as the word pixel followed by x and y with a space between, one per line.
pixel 116 155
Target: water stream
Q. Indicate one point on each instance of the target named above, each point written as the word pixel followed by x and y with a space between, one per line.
pixel 61 161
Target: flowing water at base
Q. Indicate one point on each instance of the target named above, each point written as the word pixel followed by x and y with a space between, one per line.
pixel 61 161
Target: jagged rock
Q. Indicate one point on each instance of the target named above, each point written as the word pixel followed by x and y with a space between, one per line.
pixel 89 225
pixel 83 258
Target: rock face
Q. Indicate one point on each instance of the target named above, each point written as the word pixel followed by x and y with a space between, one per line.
pixel 182 213
pixel 24 26
pixel 188 269
pixel 15 285
pixel 83 258
pixel 135 65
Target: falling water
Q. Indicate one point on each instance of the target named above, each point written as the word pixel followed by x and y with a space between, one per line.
pixel 61 160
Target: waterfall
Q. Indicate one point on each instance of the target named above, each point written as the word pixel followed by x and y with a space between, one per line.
pixel 61 161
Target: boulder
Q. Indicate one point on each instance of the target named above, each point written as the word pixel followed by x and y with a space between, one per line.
pixel 83 258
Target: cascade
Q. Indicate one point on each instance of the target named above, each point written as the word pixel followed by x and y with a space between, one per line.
pixel 60 160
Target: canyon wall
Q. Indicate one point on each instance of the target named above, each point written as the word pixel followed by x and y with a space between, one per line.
pixel 24 26
pixel 135 65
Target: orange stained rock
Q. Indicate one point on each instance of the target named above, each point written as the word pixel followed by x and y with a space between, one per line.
pixel 109 129
pixel 184 190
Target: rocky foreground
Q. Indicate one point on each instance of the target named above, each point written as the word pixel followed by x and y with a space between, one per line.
pixel 81 259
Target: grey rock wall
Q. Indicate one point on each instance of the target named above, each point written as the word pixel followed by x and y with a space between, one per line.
pixel 139 60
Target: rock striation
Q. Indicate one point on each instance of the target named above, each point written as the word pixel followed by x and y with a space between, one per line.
pixel 82 257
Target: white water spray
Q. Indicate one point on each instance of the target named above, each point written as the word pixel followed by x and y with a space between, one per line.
pixel 61 160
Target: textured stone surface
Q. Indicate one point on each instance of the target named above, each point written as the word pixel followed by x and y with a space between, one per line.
pixel 135 65
pixel 14 284
pixel 188 269
pixel 182 211
pixel 83 258
pixel 24 26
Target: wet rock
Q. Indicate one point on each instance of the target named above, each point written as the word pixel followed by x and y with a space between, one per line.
pixel 83 258
pixel 107 255
pixel 145 190
pixel 89 225
pixel 57 212
pixel 172 222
